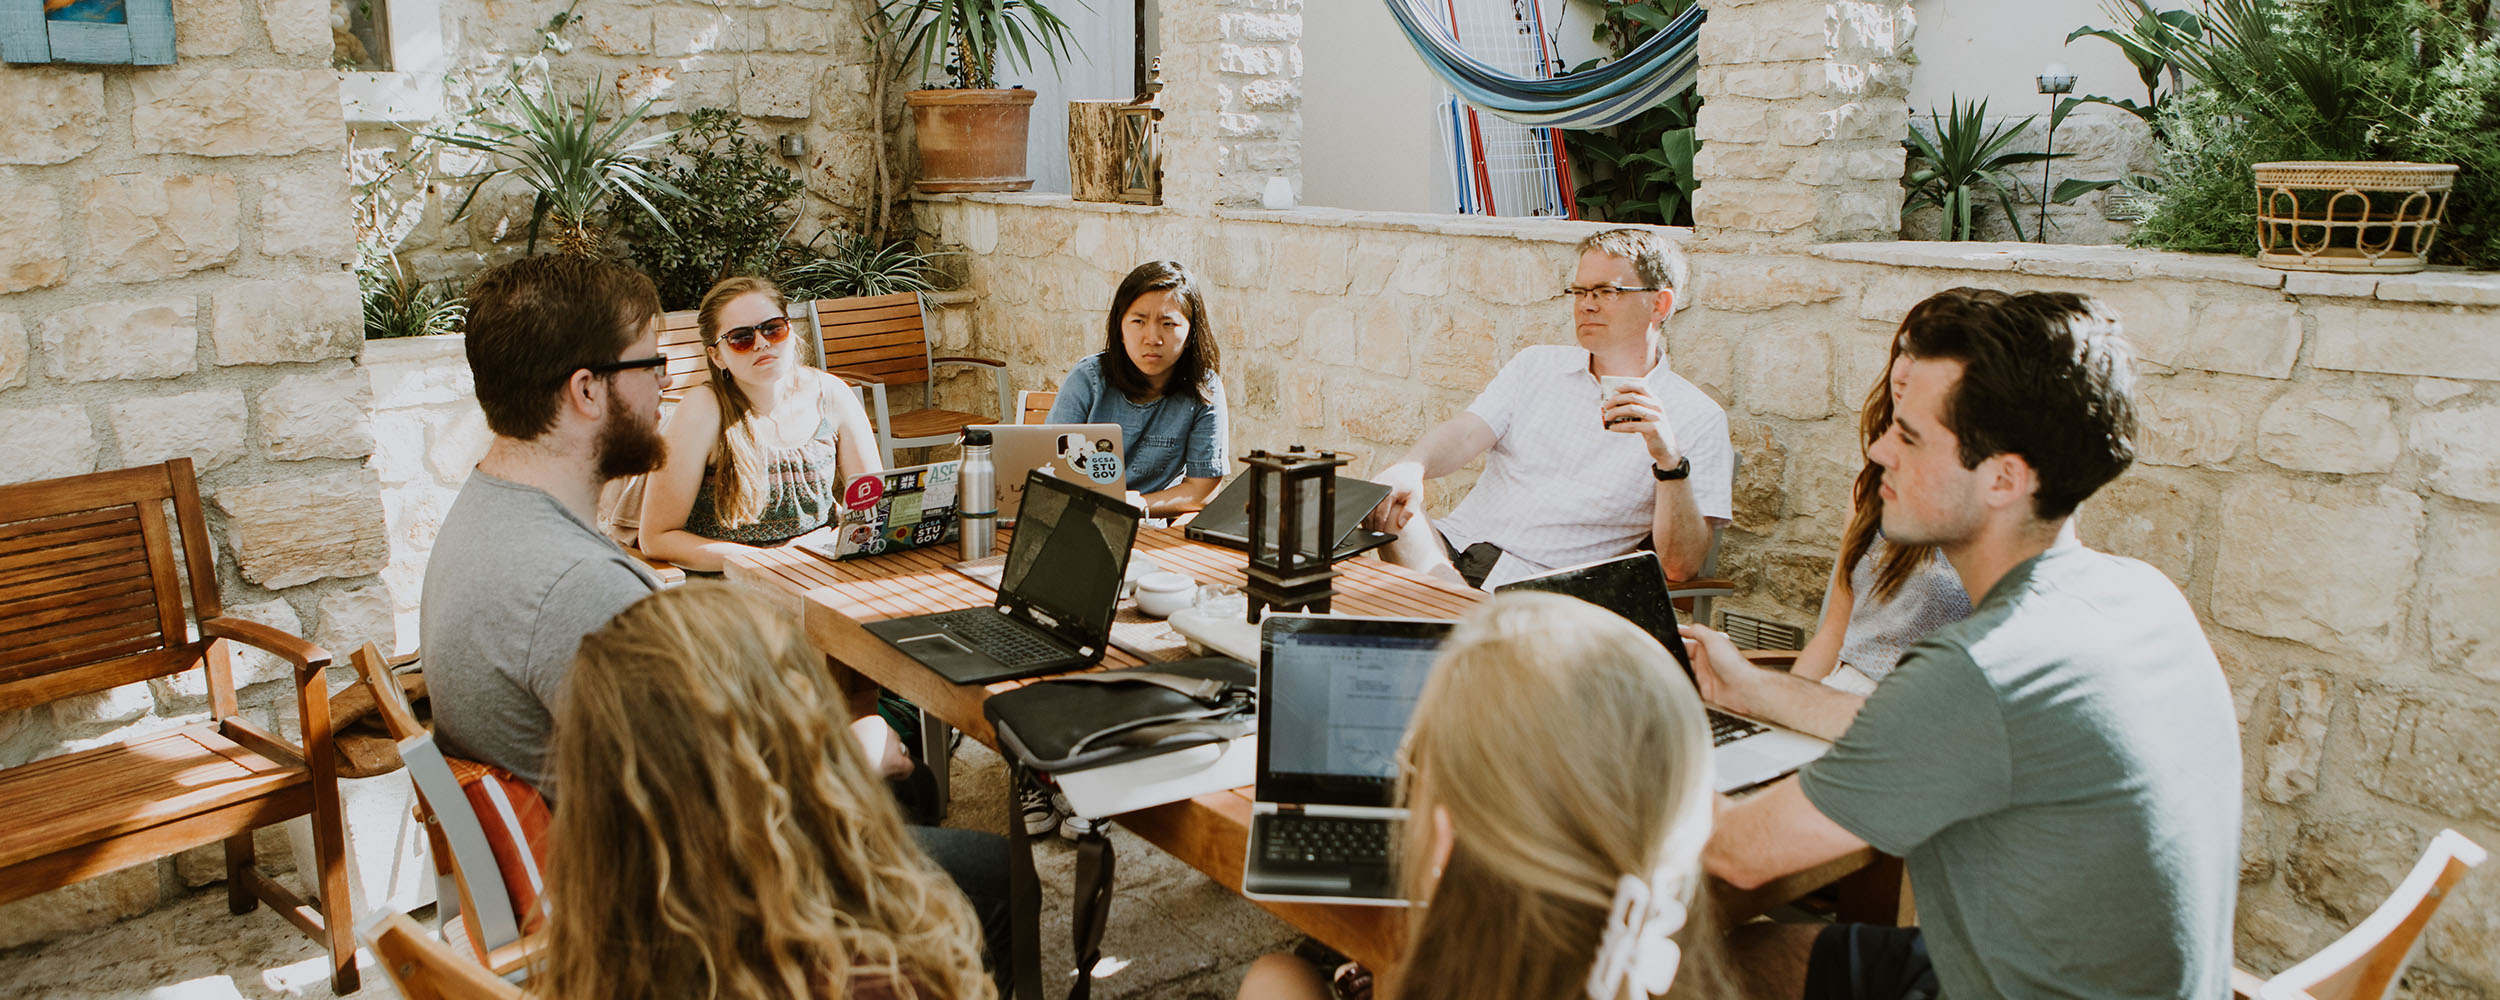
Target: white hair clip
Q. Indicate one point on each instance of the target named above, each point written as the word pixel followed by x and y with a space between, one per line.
pixel 1638 947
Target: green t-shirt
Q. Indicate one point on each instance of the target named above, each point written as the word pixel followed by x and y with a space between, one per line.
pixel 2062 772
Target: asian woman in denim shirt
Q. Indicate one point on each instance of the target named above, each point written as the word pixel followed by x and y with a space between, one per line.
pixel 1157 378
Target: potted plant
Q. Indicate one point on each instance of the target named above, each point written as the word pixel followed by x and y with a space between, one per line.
pixel 972 134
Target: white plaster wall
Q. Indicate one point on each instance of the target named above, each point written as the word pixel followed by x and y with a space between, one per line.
pixel 1996 50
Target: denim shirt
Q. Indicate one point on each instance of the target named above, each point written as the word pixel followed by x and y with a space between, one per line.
pixel 1168 439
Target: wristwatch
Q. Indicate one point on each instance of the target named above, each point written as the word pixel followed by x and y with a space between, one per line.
pixel 1683 468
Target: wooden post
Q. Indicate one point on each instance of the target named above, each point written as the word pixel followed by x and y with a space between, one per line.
pixel 1094 149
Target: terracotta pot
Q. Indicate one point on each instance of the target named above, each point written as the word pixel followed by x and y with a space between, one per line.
pixel 971 140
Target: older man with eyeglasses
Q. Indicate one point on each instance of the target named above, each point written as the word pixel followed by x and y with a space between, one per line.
pixel 1590 448
pixel 565 355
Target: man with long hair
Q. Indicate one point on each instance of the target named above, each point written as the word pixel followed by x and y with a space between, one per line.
pixel 2061 769
pixel 565 355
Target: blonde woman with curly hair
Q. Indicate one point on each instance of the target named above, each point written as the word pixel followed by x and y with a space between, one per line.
pixel 1558 776
pixel 720 833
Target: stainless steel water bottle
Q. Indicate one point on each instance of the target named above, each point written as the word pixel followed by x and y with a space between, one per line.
pixel 979 483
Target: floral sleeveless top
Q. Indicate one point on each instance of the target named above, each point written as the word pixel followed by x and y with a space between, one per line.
pixel 802 490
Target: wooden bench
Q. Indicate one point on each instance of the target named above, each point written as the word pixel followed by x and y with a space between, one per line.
pixel 92 580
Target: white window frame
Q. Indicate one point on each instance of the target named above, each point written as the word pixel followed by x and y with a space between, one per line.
pixel 413 90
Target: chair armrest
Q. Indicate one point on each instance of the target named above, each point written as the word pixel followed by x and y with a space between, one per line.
pixel 1701 586
pixel 1007 413
pixel 964 359
pixel 668 572
pixel 1782 658
pixel 305 655
pixel 2245 983
pixel 855 377
pixel 260 741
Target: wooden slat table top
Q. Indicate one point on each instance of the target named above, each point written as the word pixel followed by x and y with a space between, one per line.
pixel 1209 832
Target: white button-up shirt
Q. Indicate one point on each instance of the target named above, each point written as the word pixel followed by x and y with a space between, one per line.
pixel 1559 489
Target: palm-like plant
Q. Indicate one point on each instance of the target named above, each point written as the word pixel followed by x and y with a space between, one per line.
pixel 851 264
pixel 572 161
pixel 1963 161
pixel 399 305
pixel 970 37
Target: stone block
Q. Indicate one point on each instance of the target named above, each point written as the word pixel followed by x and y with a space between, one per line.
pixel 318 416
pixel 1752 162
pixel 1314 260
pixel 1239 259
pixel 1385 413
pixel 2466 935
pixel 2408 340
pixel 2461 586
pixel 141 339
pixel 288 319
pixel 2309 430
pixel 2188 423
pixel 299 27
pixel 618 31
pixel 2145 515
pixel 2326 565
pixel 1733 120
pixel 90 714
pixel 2239 337
pixel 2430 748
pixel 55 115
pixel 1460 355
pixel 1515 274
pixel 295 531
pixel 1261 28
pixel 1767 81
pixel 147 226
pixel 12 351
pixel 34 256
pixel 1761 461
pixel 1381 338
pixel 2462 449
pixel 82 906
pixel 1758 284
pixel 1788 372
pixel 236 112
pixel 1796 580
pixel 2301 706
pixel 795 30
pixel 305 214
pixel 352 617
pixel 1422 269
pixel 206 426
pixel 2345 867
pixel 1823 462
pixel 695 30
pixel 2434 391
pixel 45 442
pixel 210 27
pixel 1754 206
pixel 1307 399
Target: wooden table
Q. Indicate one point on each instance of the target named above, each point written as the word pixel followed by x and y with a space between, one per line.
pixel 1209 832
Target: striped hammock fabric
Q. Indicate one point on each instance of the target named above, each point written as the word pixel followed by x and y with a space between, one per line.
pixel 1664 65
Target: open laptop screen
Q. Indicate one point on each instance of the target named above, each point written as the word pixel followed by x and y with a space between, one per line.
pixel 1338 693
pixel 1630 585
pixel 1068 554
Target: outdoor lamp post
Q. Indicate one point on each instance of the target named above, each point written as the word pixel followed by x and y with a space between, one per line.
pixel 2054 81
pixel 1293 531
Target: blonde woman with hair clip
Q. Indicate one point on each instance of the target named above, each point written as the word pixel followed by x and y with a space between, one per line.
pixel 742 848
pixel 1558 776
pixel 758 451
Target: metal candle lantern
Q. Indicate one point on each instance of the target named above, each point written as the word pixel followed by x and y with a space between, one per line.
pixel 1293 508
pixel 2054 81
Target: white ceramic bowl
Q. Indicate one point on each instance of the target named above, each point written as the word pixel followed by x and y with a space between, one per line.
pixel 1160 594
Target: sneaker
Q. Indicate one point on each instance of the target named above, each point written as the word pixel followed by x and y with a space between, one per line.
pixel 1034 804
pixel 1071 825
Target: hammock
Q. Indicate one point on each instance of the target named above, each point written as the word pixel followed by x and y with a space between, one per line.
pixel 1664 65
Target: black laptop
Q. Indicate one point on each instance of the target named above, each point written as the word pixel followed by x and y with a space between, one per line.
pixel 1335 695
pixel 1056 597
pixel 1226 521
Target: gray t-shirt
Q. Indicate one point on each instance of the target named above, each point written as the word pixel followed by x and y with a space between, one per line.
pixel 2062 772
pixel 514 582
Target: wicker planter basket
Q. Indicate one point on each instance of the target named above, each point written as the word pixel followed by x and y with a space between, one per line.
pixel 2374 218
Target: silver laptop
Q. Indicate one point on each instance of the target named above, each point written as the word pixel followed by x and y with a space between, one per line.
pixel 1090 455
pixel 1335 695
pixel 1746 752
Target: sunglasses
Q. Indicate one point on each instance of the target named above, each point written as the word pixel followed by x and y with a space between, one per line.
pixel 741 339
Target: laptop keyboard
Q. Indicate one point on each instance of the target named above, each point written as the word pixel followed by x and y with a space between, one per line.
pixel 1005 641
pixel 1726 729
pixel 1325 840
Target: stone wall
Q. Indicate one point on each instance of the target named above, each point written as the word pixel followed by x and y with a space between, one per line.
pixel 1232 99
pixel 173 284
pixel 801 67
pixel 2319 469
pixel 1801 121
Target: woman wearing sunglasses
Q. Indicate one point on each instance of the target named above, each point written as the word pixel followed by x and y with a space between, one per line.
pixel 758 452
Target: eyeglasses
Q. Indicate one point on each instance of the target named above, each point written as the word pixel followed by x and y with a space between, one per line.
pixel 742 338
pixel 608 367
pixel 1605 294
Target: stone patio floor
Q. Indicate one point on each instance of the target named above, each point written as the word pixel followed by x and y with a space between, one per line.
pixel 1174 933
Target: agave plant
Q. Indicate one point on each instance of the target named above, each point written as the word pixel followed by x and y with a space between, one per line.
pixel 399 305
pixel 1963 161
pixel 970 38
pixel 572 161
pixel 852 264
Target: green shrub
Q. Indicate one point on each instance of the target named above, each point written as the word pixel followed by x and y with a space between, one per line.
pixel 735 210
pixel 1641 170
pixel 841 265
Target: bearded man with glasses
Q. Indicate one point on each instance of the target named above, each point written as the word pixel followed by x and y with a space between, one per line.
pixel 1589 448
pixel 565 355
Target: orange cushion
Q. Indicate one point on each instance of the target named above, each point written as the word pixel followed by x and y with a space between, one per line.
pixel 516 819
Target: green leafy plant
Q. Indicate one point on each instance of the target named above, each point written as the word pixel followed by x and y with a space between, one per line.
pixel 2146 36
pixel 972 39
pixel 399 305
pixel 1961 160
pixel 573 162
pixel 840 265
pixel 1641 170
pixel 733 209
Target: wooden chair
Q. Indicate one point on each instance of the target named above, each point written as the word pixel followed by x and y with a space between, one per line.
pixel 1033 406
pixel 94 572
pixel 2367 961
pixel 426 969
pixel 882 341
pixel 471 902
